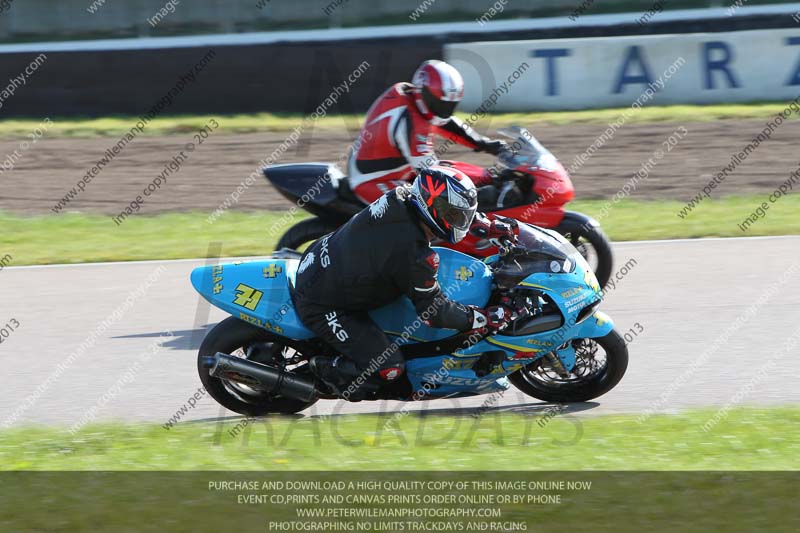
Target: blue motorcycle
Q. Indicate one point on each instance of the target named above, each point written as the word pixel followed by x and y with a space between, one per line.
pixel 557 348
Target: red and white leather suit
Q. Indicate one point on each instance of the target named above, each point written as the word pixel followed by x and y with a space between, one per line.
pixel 398 138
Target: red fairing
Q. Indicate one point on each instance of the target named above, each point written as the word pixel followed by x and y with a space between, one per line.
pixel 479 175
pixel 554 189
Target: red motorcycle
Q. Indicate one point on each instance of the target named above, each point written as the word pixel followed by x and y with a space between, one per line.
pixel 528 184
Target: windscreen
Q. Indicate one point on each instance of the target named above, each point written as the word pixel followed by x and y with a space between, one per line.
pixel 525 150
pixel 543 253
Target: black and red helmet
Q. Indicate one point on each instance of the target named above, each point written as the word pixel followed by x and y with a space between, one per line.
pixel 447 201
pixel 439 89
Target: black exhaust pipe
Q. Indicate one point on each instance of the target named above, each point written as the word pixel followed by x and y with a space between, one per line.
pixel 261 376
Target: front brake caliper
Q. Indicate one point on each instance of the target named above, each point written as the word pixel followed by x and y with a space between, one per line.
pixel 566 355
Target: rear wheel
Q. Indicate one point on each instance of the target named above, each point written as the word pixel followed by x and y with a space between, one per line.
pixel 236 337
pixel 599 365
pixel 304 233
pixel 595 247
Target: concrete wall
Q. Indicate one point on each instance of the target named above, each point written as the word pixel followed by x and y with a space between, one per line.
pixel 280 76
pixel 615 71
pixel 57 19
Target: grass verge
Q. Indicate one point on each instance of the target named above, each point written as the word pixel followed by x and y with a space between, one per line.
pixel 79 238
pixel 259 122
pixel 743 439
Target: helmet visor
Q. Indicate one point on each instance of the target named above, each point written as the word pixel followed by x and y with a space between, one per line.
pixel 459 218
pixel 440 108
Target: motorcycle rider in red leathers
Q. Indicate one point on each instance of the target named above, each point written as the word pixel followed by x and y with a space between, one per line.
pixel 397 138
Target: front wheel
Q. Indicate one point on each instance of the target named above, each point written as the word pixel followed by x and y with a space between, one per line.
pixel 236 337
pixel 595 247
pixel 599 365
pixel 304 232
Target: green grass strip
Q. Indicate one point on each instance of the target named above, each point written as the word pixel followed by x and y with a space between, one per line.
pixel 260 122
pixel 741 439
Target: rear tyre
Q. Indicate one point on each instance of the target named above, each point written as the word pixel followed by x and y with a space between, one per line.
pixel 595 247
pixel 236 337
pixel 593 375
pixel 304 232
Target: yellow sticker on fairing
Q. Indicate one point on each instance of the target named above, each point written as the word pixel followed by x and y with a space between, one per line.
pixel 247 297
pixel 601 318
pixel 591 281
pixel 272 270
pixel 463 274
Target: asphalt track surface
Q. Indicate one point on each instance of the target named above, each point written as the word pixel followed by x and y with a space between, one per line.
pixel 715 316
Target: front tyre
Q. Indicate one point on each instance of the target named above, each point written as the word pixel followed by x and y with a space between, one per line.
pixel 304 232
pixel 599 365
pixel 236 337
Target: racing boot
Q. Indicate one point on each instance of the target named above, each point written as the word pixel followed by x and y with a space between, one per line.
pixel 344 378
pixel 325 369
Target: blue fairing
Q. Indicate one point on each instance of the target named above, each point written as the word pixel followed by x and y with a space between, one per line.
pixel 258 292
pixel 461 278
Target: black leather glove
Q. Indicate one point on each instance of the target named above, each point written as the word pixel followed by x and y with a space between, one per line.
pixel 494 147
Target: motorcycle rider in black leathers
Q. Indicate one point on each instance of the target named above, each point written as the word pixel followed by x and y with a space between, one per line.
pixel 382 253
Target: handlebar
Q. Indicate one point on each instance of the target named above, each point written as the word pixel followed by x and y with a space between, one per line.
pixel 505 245
pixel 505 175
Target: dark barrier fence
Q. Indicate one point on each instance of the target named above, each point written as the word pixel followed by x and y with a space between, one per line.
pixel 236 79
pixel 282 77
